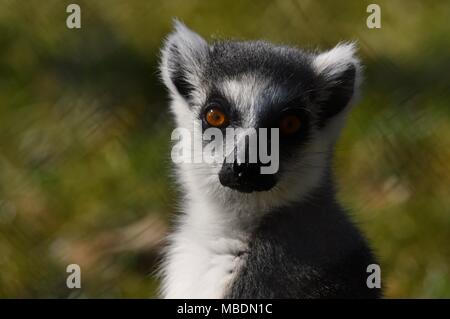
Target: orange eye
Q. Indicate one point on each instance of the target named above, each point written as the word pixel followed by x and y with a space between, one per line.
pixel 215 117
pixel 290 124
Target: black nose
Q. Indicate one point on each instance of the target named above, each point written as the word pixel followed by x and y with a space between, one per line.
pixel 245 177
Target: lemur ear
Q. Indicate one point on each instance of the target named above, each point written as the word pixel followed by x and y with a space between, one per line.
pixel 182 57
pixel 339 72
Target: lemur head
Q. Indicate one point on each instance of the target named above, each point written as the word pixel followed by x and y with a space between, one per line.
pixel 253 85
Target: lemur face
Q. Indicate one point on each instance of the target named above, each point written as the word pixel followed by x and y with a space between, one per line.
pixel 257 85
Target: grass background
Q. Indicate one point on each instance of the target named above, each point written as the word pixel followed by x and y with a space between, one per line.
pixel 85 132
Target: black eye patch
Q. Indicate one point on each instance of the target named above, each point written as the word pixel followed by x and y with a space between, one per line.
pixel 215 98
pixel 290 143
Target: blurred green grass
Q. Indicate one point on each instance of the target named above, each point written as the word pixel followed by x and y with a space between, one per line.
pixel 84 136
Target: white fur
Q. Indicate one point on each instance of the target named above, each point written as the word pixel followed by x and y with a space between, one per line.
pixel 202 256
pixel 337 60
pixel 245 92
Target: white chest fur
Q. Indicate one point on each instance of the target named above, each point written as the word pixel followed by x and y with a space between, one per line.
pixel 202 258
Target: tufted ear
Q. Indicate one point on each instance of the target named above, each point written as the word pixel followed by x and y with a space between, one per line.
pixel 182 59
pixel 339 74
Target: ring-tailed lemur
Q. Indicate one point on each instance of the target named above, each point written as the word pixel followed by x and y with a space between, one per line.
pixel 242 234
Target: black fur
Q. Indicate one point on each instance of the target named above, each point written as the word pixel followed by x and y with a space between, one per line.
pixel 338 90
pixel 306 250
pixel 289 67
